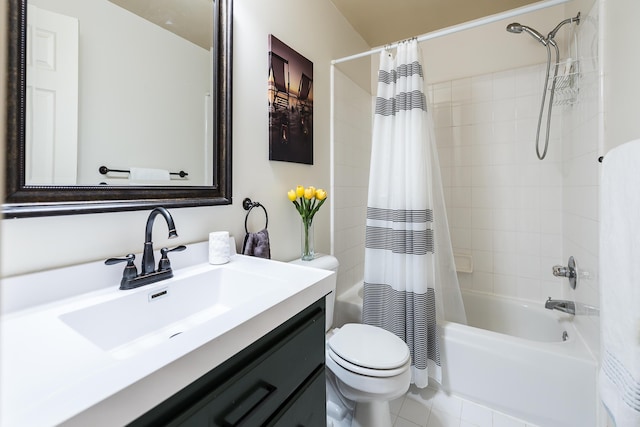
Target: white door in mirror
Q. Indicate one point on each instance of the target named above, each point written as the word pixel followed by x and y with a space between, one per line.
pixel 51 98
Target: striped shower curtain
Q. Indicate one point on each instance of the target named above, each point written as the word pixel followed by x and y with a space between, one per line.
pixel 410 283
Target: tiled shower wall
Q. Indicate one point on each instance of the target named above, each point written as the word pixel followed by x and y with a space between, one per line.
pixel 517 216
pixel 582 145
pixel 352 152
pixel 504 205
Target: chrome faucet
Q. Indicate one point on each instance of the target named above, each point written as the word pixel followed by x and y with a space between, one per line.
pixel 565 306
pixel 149 274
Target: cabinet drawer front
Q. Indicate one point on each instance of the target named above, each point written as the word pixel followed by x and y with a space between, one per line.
pixel 260 384
pixel 282 372
pixel 308 408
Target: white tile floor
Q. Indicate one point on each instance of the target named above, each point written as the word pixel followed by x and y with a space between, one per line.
pixel 434 408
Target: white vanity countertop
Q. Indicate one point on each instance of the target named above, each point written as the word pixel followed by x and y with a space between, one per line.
pixel 52 375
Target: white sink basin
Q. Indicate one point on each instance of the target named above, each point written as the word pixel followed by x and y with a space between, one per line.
pixel 140 319
pixel 69 345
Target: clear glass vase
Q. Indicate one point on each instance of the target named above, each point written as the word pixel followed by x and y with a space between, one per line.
pixel 306 243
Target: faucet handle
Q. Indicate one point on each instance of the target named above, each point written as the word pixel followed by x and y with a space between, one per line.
pixel 130 270
pixel 164 263
pixel 570 272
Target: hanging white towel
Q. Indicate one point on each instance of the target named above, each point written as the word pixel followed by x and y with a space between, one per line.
pixel 620 284
pixel 148 174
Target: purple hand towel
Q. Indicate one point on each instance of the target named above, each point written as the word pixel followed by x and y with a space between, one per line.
pixel 257 244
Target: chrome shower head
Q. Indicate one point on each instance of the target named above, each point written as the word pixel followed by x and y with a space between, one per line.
pixel 514 27
pixel 518 28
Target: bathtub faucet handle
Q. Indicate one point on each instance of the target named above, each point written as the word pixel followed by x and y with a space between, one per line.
pixel 570 272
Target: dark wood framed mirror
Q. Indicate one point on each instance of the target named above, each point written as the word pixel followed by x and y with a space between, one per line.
pixel 25 199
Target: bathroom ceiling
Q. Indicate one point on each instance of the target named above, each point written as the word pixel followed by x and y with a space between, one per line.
pixel 382 22
pixel 190 20
pixel 379 22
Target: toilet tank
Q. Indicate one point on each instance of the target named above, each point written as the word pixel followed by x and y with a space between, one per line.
pixel 324 262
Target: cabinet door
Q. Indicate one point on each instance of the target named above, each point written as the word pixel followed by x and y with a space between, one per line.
pixel 259 384
pixel 308 407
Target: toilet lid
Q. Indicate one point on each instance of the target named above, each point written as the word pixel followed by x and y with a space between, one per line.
pixel 369 347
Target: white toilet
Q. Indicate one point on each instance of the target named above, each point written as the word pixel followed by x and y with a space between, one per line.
pixel 366 364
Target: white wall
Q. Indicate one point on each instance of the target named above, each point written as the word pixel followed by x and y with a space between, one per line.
pixel 620 43
pixel 127 64
pixel 317 31
pixel 621 53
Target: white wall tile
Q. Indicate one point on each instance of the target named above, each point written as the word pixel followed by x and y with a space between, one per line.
pixel 461 177
pixel 504 132
pixel 483 261
pixel 505 285
pixel 482 219
pixel 482 240
pixel 461 90
pixel 528 289
pixel 504 85
pixel 482 112
pixel 482 282
pixel 441 93
pixel 505 263
pixel 504 241
pixel 351 175
pixel 504 109
pixel 515 201
pixel 482 88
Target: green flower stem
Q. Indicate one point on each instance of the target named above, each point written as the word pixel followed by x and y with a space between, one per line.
pixel 307 209
pixel 307 226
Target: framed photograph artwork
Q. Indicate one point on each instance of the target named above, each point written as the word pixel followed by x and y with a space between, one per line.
pixel 290 96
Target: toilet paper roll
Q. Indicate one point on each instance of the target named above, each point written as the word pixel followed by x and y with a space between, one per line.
pixel 219 251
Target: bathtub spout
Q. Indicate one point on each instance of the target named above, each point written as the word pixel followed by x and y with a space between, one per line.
pixel 568 307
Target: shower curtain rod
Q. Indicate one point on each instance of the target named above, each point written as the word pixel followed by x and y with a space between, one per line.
pixel 460 27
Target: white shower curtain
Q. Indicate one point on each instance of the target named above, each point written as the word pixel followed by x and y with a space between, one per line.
pixel 410 283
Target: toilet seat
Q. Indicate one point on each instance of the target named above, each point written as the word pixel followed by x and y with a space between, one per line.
pixel 368 350
pixel 370 372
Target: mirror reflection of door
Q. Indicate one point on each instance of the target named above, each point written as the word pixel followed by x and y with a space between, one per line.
pixel 52 98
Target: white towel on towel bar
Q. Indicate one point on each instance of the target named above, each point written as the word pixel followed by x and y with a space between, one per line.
pixel 620 284
pixel 148 174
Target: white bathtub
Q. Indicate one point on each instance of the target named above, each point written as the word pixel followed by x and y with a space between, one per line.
pixel 512 358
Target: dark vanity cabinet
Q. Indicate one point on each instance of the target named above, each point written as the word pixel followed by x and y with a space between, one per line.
pixel 278 380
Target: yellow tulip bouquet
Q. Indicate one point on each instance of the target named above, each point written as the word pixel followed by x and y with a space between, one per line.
pixel 307 201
